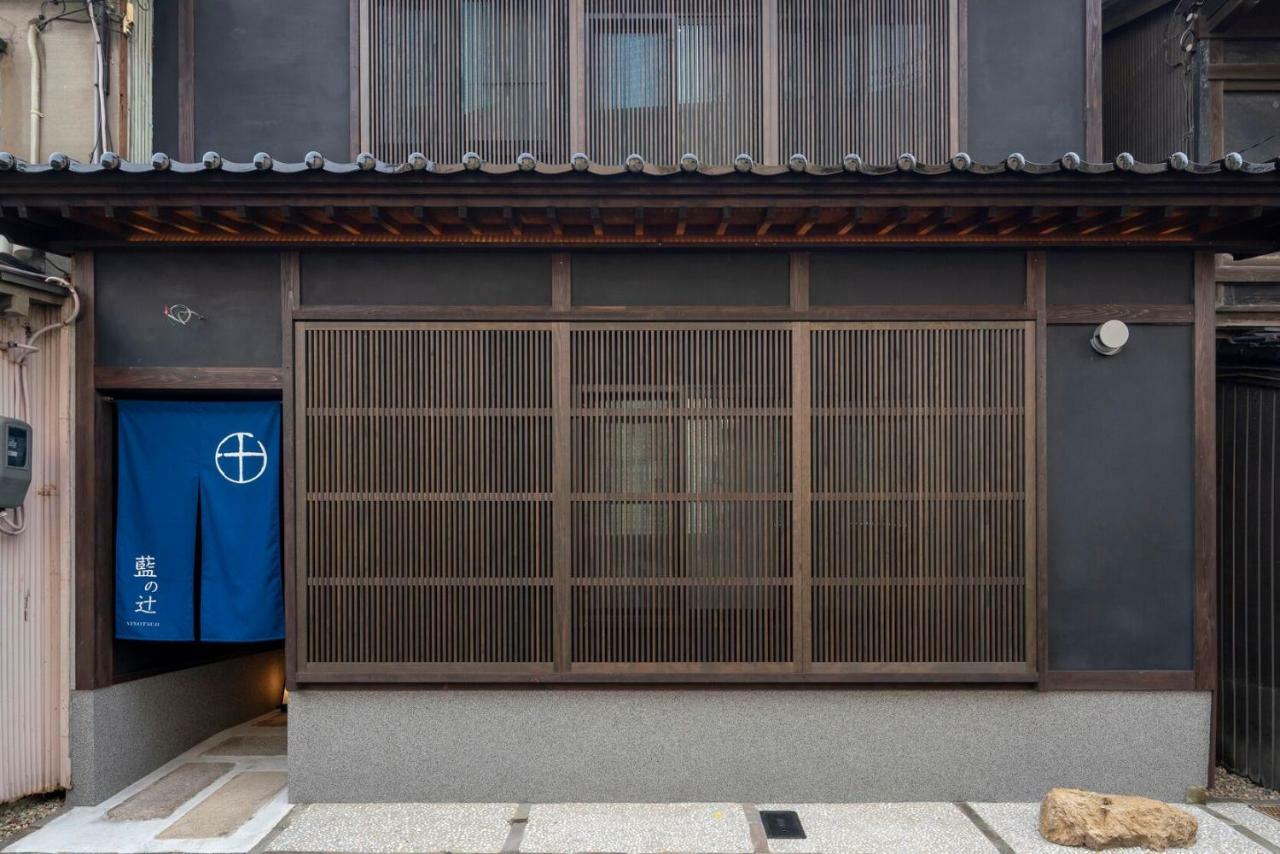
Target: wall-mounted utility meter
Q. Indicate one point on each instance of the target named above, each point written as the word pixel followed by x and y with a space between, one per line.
pixel 15 465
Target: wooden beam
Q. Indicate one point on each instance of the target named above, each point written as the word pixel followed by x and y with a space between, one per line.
pixel 181 379
pixel 383 220
pixel 1037 303
pixel 808 222
pixel 1206 647
pixel 766 222
pixel 290 298
pixel 92 598
pixel 1093 80
pixel 1118 680
pixel 723 225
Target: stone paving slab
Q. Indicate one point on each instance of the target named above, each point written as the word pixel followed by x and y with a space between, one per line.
pixel 228 808
pixel 1246 816
pixel 627 828
pixel 1019 826
pixel 376 828
pixel 161 798
pixel 890 828
pixel 268 744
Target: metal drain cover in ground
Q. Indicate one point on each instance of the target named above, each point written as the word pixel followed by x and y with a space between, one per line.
pixel 1269 810
pixel 782 824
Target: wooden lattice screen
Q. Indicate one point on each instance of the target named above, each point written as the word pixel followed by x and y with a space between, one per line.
pixel 445 77
pixel 660 78
pixel 665 77
pixel 873 76
pixel 699 499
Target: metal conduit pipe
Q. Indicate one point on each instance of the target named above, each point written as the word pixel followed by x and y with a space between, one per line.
pixel 33 47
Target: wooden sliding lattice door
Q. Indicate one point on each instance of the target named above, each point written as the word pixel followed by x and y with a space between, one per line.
pixel 587 500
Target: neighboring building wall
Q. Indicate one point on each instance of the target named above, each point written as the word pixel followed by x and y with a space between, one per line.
pixel 122 733
pixel 67 91
pixel 1149 85
pixel 1026 66
pixel 35 572
pixel 756 746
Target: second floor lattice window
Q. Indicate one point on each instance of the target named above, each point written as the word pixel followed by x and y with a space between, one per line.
pixel 872 77
pixel 669 76
pixel 660 78
pixel 451 76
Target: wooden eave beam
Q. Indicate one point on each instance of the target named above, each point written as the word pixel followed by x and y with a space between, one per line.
pixel 292 219
pixel 464 217
pixel 423 218
pixel 766 222
pixel 256 219
pixel 934 221
pixel 723 225
pixel 850 222
pixel 811 218
pixel 384 221
pixel 341 220
pixel 893 219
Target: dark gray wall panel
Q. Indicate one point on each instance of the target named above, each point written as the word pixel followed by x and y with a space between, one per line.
pixel 1250 123
pixel 917 277
pixel 1120 501
pixel 1026 78
pixel 164 81
pixel 692 278
pixel 272 77
pixel 1107 276
pixel 426 278
pixel 238 294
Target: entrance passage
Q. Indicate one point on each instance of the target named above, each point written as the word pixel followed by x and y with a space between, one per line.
pixel 699 500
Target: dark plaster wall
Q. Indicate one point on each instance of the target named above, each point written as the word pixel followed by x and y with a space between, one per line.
pixel 237 292
pixel 273 77
pixel 269 77
pixel 164 81
pixel 1026 78
pixel 914 277
pixel 1104 276
pixel 426 278
pixel 694 278
pixel 1120 501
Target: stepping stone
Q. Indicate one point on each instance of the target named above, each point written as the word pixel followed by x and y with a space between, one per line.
pixel 227 809
pixel 171 791
pixel 272 744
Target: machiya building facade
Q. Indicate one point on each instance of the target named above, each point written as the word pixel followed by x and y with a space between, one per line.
pixel 651 401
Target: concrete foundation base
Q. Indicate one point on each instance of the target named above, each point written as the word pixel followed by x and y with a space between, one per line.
pixel 122 733
pixel 752 746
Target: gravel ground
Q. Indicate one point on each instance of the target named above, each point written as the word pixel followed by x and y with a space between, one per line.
pixel 17 816
pixel 1228 785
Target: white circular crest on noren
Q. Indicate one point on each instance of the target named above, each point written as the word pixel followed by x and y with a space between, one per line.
pixel 232 452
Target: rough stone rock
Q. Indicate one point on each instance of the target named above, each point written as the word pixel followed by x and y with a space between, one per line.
pixel 1096 821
